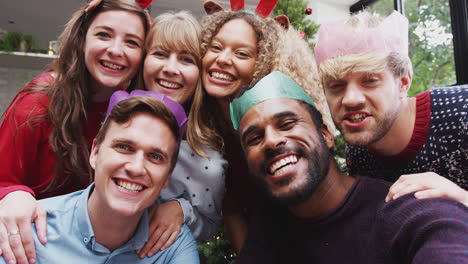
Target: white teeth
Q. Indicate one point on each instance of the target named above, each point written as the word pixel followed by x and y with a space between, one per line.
pixel 112 66
pixel 169 84
pixel 357 117
pixel 131 187
pixel 281 165
pixel 222 76
pixel 283 169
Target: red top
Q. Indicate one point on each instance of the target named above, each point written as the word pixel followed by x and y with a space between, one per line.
pixel 27 160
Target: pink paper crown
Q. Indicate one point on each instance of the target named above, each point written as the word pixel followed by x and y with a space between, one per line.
pixel 338 38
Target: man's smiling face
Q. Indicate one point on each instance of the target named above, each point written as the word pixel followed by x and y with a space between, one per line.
pixel 285 151
pixel 132 164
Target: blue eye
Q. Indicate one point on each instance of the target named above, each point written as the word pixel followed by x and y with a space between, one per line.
pixel 159 53
pixel 188 60
pixel 133 43
pixel 155 156
pixel 103 34
pixel 123 147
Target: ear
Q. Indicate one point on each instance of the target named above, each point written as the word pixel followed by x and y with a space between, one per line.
pixel 93 155
pixel 212 7
pixel 405 83
pixel 283 20
pixel 327 136
pixel 168 178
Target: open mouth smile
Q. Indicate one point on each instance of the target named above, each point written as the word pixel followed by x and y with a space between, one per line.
pixel 129 186
pixel 280 166
pixel 222 76
pixel 168 84
pixel 112 66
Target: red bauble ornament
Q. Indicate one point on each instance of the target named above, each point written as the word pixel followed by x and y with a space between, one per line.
pixel 308 11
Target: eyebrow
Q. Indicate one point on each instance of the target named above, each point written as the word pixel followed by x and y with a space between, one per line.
pixel 126 34
pixel 276 116
pixel 241 42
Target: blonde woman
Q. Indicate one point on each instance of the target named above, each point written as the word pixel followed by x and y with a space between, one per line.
pixel 196 189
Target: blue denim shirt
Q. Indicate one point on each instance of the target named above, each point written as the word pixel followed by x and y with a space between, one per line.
pixel 70 237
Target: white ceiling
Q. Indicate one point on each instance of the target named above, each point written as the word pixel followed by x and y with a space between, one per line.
pixel 45 19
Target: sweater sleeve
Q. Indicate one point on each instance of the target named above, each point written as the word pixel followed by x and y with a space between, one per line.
pixel 23 137
pixel 424 231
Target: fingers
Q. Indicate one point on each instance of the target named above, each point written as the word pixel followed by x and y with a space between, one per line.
pixel 152 240
pixel 26 237
pixel 171 240
pixel 41 224
pixel 433 193
pixel 16 245
pixel 159 240
pixel 7 253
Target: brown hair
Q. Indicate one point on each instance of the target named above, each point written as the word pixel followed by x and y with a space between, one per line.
pixel 70 93
pixel 124 110
pixel 206 125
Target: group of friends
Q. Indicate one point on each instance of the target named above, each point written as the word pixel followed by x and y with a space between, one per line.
pixel 145 135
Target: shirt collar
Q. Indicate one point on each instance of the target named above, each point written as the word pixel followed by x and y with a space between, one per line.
pixel 86 229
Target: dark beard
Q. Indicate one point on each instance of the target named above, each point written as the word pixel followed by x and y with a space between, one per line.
pixel 318 161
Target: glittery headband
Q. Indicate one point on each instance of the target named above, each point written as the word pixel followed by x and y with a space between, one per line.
pixel 176 109
pixel 274 85
pixel 339 38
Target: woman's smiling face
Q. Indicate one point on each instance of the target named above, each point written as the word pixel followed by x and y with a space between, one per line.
pixel 171 72
pixel 229 62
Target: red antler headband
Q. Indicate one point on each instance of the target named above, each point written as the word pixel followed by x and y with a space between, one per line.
pixel 264 7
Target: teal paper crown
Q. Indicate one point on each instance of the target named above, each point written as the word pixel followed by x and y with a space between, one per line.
pixel 274 85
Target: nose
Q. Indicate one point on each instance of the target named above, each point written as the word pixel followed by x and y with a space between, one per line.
pixel 224 57
pixel 353 96
pixel 135 166
pixel 171 65
pixel 273 138
pixel 116 48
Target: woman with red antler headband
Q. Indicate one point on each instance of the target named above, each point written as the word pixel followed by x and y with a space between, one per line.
pixel 239 47
pixel 48 128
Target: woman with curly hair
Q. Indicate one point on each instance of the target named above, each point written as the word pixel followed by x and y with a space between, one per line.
pixel 48 128
pixel 238 48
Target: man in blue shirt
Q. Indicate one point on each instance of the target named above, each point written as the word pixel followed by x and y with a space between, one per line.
pixel 133 156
